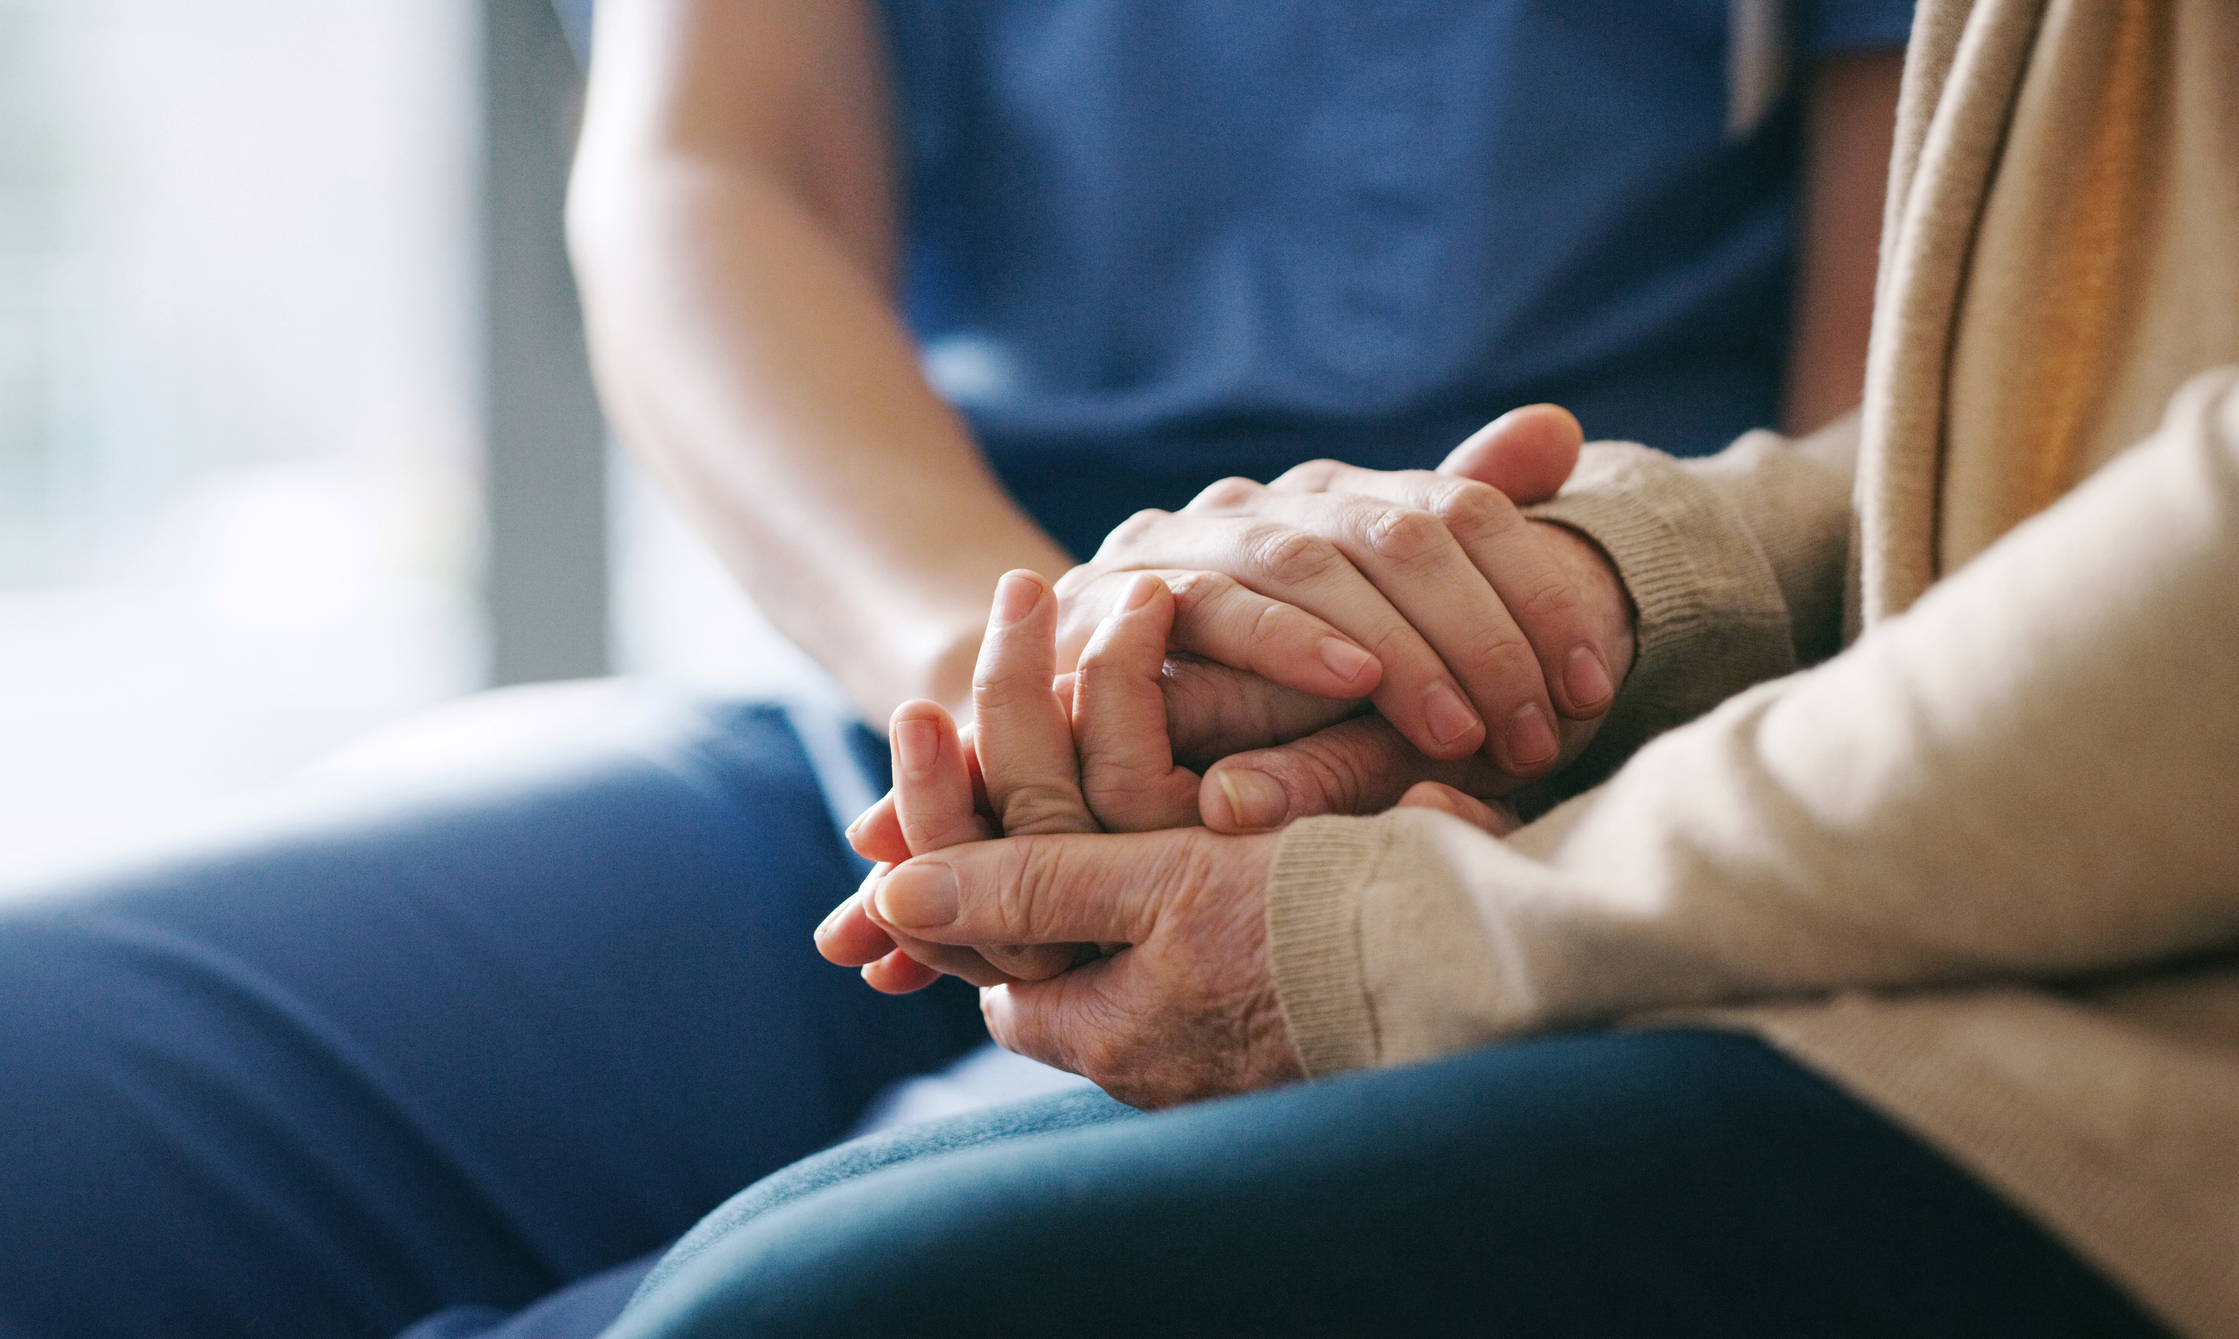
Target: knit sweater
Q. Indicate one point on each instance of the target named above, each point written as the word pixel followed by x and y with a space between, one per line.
pixel 1930 752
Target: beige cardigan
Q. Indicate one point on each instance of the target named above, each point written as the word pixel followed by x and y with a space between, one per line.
pixel 1981 867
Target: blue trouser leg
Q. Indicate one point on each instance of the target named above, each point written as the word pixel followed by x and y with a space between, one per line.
pixel 381 1057
pixel 1660 1183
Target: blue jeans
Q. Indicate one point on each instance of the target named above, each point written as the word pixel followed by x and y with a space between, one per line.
pixel 466 1060
pixel 382 1056
pixel 1659 1183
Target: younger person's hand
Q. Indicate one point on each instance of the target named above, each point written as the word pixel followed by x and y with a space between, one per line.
pixel 1487 640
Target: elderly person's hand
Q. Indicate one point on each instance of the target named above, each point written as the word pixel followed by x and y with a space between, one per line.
pixel 1171 998
pixel 1186 1009
pixel 1181 1005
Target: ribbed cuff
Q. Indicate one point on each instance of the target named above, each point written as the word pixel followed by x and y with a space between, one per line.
pixel 1711 620
pixel 1314 937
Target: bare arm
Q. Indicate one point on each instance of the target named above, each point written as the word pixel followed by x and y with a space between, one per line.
pixel 1850 119
pixel 732 224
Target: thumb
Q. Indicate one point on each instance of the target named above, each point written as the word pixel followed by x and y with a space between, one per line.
pixel 1057 888
pixel 1360 766
pixel 1525 453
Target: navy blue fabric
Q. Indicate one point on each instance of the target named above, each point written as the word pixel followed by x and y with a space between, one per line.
pixel 1150 245
pixel 886 1148
pixel 1671 1183
pixel 346 1067
pixel 578 1311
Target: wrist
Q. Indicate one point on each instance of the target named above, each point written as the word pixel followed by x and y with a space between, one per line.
pixel 924 661
pixel 1609 604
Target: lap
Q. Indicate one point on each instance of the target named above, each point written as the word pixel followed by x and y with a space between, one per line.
pixel 1669 1182
pixel 382 1055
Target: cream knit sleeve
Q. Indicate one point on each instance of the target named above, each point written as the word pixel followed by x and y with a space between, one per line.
pixel 2033 773
pixel 1736 564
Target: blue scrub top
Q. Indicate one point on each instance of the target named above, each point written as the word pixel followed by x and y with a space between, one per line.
pixel 1150 245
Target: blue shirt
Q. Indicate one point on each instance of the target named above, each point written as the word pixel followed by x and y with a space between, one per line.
pixel 1152 244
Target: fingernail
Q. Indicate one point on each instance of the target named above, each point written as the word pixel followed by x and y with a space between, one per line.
pixel 1449 718
pixel 1255 799
pixel 917 745
pixel 1138 593
pixel 1587 678
pixel 1531 740
pixel 1014 598
pixel 1344 659
pixel 919 896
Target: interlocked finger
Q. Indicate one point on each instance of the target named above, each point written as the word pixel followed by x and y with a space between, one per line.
pixel 1023 734
pixel 1536 597
pixel 933 799
pixel 1288 556
pixel 1128 772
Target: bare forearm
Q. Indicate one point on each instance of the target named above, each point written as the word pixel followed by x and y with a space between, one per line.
pixel 759 369
pixel 732 224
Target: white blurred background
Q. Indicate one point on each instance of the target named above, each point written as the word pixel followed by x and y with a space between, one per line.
pixel 244 510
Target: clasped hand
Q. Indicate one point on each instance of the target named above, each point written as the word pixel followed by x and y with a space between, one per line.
pixel 1142 960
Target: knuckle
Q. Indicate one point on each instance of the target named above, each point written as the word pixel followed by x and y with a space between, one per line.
pixel 1028 962
pixel 1405 535
pixel 1130 532
pixel 998 681
pixel 1505 658
pixel 1332 782
pixel 1552 598
pixel 1312 476
pixel 1292 557
pixel 1104 1040
pixel 1362 766
pixel 1040 807
pixel 1074 581
pixel 1192 590
pixel 1315 780
pixel 1099 1054
pixel 1114 788
pixel 1225 494
pixel 1397 644
pixel 1466 507
pixel 1268 626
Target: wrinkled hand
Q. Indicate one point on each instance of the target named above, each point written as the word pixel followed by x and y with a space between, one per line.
pixel 1484 637
pixel 1085 752
pixel 1186 1010
pixel 1137 960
